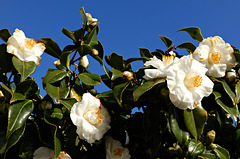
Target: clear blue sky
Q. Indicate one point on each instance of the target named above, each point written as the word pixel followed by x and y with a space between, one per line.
pixel 126 25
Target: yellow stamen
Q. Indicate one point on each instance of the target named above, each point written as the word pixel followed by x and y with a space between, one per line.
pixel 197 81
pixel 30 43
pixel 117 153
pixel 215 57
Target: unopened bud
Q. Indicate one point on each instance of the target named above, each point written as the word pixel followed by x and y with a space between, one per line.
pixel 93 92
pixel 231 75
pixel 95 52
pixel 210 137
pixel 91 21
pixel 84 61
pixel 128 75
pixel 58 64
pixel 46 105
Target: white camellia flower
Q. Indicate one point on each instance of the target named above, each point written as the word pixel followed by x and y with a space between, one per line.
pixel 47 153
pixel 84 61
pixel 91 118
pixel 216 55
pixel 160 65
pixel 25 49
pixel 114 149
pixel 187 83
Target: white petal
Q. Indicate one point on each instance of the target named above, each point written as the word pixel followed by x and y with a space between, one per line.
pixel 154 73
pixel 19 36
pixel 155 62
pixel 38 49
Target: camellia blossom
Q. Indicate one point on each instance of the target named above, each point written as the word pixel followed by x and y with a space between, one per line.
pixel 25 49
pixel 91 118
pixel 160 65
pixel 84 61
pixel 114 149
pixel 91 20
pixel 187 83
pixel 216 55
pixel 47 153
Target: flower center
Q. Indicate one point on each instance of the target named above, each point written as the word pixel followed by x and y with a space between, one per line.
pixel 29 43
pixel 117 153
pixel 167 60
pixel 215 57
pixel 94 117
pixel 193 81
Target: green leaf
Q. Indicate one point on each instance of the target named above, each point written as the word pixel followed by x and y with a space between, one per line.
pixel 194 32
pixel 136 59
pixel 190 47
pixel 116 73
pixel 90 79
pixel 5 34
pixel 83 14
pixel 57 92
pixel 68 103
pixel 24 68
pixel 84 49
pixel 6 91
pixel 5 60
pixel 57 114
pixel 75 35
pixel 195 148
pixel 104 67
pixel 190 122
pixel 227 88
pixel 237 55
pixel 52 47
pixel 145 53
pixel 54 75
pixel 221 152
pixel 115 61
pixel 118 92
pixel 17 115
pixel 207 155
pixel 146 86
pixel 69 34
pixel 231 110
pixel 181 135
pixel 200 117
pixel 166 41
pixel 65 59
pixel 237 91
pixel 92 37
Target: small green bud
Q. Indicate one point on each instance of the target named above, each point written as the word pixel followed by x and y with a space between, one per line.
pixel 93 92
pixel 231 75
pixel 58 64
pixel 95 52
pixel 210 137
pixel 46 105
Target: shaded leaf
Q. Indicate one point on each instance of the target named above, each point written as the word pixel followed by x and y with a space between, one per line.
pixel 221 152
pixel 137 59
pixel 146 86
pixel 90 79
pixel 52 47
pixel 68 103
pixel 92 37
pixel 195 148
pixel 17 115
pixel 83 14
pixel 24 68
pixel 5 34
pixel 194 32
pixel 190 122
pixel 5 60
pixel 6 91
pixel 118 91
pixel 65 59
pixel 237 91
pixel 57 92
pixel 166 41
pixel 190 47
pixel 104 67
pixel 145 53
pixel 200 117
pixel 57 114
pixel 116 73
pixel 115 61
pixel 69 34
pixel 54 75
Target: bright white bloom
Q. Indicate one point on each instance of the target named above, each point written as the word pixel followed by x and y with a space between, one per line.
pixel 47 153
pixel 84 61
pixel 160 65
pixel 216 55
pixel 91 20
pixel 91 118
pixel 187 83
pixel 25 49
pixel 114 149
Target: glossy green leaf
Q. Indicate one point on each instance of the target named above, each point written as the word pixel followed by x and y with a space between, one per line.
pixel 24 68
pixel 5 34
pixel 190 47
pixel 99 48
pixel 231 110
pixel 57 113
pixel 237 91
pixel 57 92
pixel 190 122
pixel 146 86
pixel 116 73
pixel 28 87
pixel 69 34
pixel 200 117
pixel 83 14
pixel 17 96
pixel 84 49
pixel 207 155
pixel 115 61
pixel 54 75
pixel 92 37
pixel 17 115
pixel 104 67
pixel 145 53
pixel 5 60
pixel 195 148
pixel 181 135
pixel 221 152
pixel 68 103
pixel 194 32
pixel 90 79
pixel 227 88
pixel 65 59
pixel 166 41
pixel 6 91
pixel 137 59
pixel 118 92
pixel 52 47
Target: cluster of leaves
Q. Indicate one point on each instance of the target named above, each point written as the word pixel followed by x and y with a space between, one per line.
pixel 160 130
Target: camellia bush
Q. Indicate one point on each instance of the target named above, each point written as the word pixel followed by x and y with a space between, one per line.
pixel 189 103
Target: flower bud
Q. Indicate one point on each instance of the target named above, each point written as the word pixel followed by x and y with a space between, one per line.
pixel 128 75
pixel 93 92
pixel 84 61
pixel 91 21
pixel 210 137
pixel 46 105
pixel 231 75
pixel 95 52
pixel 58 64
pixel 1 94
